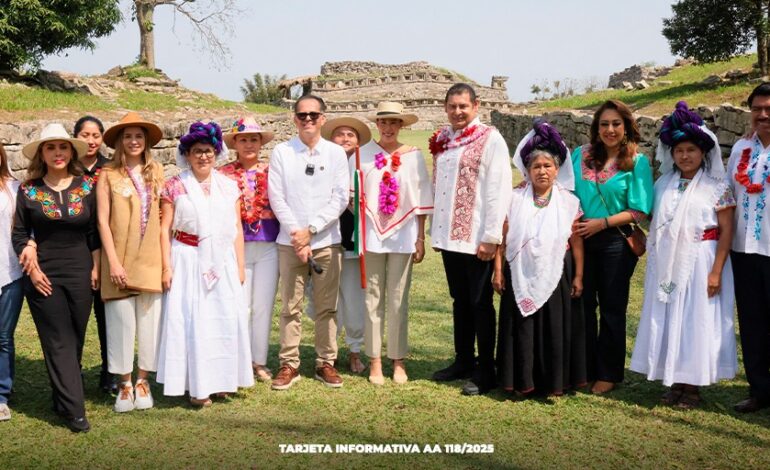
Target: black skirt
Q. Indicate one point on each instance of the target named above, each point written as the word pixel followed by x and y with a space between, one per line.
pixel 547 349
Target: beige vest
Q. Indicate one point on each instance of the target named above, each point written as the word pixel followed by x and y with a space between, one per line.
pixel 140 256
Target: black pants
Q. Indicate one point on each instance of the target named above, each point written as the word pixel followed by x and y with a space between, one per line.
pixel 470 285
pixel 61 320
pixel 609 265
pixel 752 294
pixel 101 327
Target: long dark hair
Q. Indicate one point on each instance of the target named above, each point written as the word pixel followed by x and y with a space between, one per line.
pixel 598 154
pixel 37 167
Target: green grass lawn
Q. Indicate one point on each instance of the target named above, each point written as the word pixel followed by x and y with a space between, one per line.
pixel 626 428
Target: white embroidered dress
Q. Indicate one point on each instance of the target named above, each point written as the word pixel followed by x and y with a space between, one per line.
pixel 204 346
pixel 684 335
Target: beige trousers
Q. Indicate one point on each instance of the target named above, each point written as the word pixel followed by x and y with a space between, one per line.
pixel 293 277
pixel 389 276
pixel 135 318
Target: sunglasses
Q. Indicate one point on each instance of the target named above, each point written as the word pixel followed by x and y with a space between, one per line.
pixel 313 116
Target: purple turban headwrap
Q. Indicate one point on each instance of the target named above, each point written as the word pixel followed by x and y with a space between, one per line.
pixel 546 138
pixel 209 133
pixel 684 125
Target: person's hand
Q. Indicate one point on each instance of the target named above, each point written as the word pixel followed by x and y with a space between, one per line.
pixel 714 283
pixel 300 238
pixel 304 253
pixel 95 278
pixel 118 275
pixel 577 287
pixel 588 227
pixel 166 279
pixel 419 251
pixel 498 281
pixel 41 283
pixel 242 275
pixel 28 259
pixel 486 251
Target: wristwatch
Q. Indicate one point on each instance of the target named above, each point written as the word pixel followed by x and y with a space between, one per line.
pixel 312 229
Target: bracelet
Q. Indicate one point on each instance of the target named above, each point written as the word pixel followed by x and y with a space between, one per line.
pixel 606 222
pixel 32 244
pixel 420 239
pixel 165 270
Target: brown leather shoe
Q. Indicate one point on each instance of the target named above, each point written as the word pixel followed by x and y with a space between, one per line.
pixel 286 377
pixel 328 375
pixel 749 405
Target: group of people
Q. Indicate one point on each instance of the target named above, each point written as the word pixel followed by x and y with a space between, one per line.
pixel 188 268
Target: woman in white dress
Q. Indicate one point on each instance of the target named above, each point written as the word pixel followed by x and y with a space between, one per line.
pixel 204 346
pixel 686 335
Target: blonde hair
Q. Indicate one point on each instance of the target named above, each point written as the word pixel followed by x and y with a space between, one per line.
pixel 152 171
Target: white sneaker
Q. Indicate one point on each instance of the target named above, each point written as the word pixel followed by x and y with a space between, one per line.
pixel 5 412
pixel 143 396
pixel 125 400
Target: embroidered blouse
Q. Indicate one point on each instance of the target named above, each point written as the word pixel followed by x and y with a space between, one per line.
pixel 64 224
pixel 622 190
pixel 266 228
pixel 752 227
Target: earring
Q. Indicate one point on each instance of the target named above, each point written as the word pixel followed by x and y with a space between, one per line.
pixel 625 139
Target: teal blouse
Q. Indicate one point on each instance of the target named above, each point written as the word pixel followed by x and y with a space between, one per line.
pixel 622 190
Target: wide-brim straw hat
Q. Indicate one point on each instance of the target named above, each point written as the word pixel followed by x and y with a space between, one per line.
pixel 392 110
pixel 246 125
pixel 54 131
pixel 132 119
pixel 363 131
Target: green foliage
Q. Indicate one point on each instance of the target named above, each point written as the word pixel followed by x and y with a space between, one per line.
pixel 137 70
pixel 712 30
pixel 32 29
pixel 262 89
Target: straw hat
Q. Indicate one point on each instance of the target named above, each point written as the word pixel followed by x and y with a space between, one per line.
pixel 392 110
pixel 132 119
pixel 54 131
pixel 247 125
pixel 364 134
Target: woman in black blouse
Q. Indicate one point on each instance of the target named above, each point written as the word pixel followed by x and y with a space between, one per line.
pixel 56 220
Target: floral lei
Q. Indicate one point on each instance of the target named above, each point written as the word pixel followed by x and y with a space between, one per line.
pixel 388 200
pixel 253 201
pixel 442 140
pixel 743 177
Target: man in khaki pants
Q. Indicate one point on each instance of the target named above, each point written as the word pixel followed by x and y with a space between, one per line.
pixel 308 187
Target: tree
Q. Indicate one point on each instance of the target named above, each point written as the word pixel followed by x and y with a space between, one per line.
pixel 211 20
pixel 535 90
pixel 262 89
pixel 712 30
pixel 30 30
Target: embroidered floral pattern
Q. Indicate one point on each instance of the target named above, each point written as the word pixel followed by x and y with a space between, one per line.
pixel 727 199
pixel 48 202
pixel 442 140
pixel 173 189
pixel 145 196
pixel 601 176
pixel 465 192
pixel 388 197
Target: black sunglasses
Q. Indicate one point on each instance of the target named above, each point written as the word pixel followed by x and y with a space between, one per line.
pixel 313 116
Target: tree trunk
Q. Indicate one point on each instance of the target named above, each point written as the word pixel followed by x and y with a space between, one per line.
pixel 145 11
pixel 763 43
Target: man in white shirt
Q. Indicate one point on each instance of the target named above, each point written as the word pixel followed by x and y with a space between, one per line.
pixel 473 186
pixel 748 172
pixel 308 187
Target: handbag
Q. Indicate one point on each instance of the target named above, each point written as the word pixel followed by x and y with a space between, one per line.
pixel 633 233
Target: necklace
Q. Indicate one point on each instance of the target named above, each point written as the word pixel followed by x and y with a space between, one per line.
pixel 542 201
pixel 388 200
pixel 743 177
pixel 442 140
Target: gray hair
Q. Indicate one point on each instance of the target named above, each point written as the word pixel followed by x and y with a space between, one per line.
pixel 538 153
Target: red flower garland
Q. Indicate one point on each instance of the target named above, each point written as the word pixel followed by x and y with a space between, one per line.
pixel 388 198
pixel 253 201
pixel 441 140
pixel 742 176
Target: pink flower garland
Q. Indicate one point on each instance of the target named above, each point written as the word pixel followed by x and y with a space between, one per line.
pixel 388 199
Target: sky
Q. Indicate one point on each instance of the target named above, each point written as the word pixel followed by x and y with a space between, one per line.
pixel 530 41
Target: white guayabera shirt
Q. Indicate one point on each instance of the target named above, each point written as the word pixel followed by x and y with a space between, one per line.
pixel 752 216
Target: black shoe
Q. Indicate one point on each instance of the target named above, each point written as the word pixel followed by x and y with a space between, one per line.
pixel 455 371
pixel 78 424
pixel 471 389
pixel 108 383
pixel 749 405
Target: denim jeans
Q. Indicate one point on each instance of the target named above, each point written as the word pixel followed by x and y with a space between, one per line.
pixel 10 306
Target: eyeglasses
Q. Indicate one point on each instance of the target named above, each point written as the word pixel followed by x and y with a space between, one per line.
pixel 759 109
pixel 312 115
pixel 201 154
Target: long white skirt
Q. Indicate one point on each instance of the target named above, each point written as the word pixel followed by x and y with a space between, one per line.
pixel 691 339
pixel 204 346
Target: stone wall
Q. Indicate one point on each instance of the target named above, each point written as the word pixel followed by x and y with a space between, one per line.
pixel 636 73
pixel 352 67
pixel 13 136
pixel 728 122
